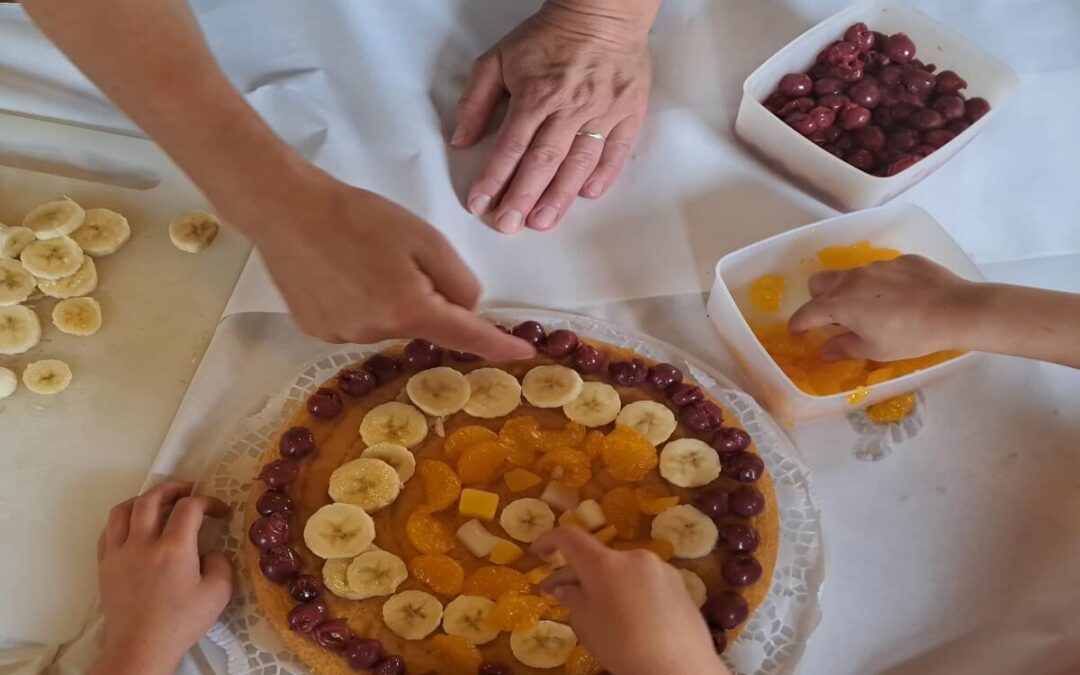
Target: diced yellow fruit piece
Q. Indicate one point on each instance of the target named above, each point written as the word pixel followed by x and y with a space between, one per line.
pixel 538 574
pixel 556 560
pixel 590 514
pixel 519 480
pixel 606 535
pixel 855 255
pixel 475 537
pixel 568 518
pixel 766 292
pixel 505 552
pixel 478 504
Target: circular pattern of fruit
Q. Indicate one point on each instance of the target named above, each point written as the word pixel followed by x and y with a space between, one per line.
pixel 392 529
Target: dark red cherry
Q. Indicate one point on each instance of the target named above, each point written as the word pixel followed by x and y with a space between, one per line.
pixel 834 102
pixel 937 137
pixel 902 139
pixel 853 117
pixel 334 635
pixel 305 588
pixel 741 570
pixel 296 443
pixel 269 531
pixel 976 108
pixel 794 85
pixel 357 381
pixel 663 375
pixel 561 343
pixel 899 48
pixel 489 668
pixel 628 373
pixel 683 394
pixel 861 158
pixel 950 106
pixel 700 416
pixel 325 404
pixel 802 123
pixel 861 36
pixel 279 473
pixel 746 501
pixel 421 355
pixel 391 665
pixel 713 502
pixel 364 653
pixel 745 467
pixel 823 117
pixel 279 564
pixel 870 137
pixel 589 360
pixel 726 609
pixel 306 617
pixel 531 332
pixel 382 367
pixel 829 85
pixel 273 501
pixel 730 439
pixel 948 82
pixel 736 538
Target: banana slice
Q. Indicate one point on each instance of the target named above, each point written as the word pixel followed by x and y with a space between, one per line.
pixel 334 576
pixel 371 484
pixel 689 462
pixel 53 258
pixel 83 282
pixel 339 531
pixel 551 386
pixel 527 519
pixel 13 239
pixel 102 232
pixel 545 645
pixel 440 392
pixel 394 422
pixel 375 573
pixel 466 616
pixel 47 377
pixel 20 329
pixel 492 393
pixel 8 382
pixel 192 231
pixel 413 615
pixel 691 532
pixel 54 219
pixel 77 316
pixel 16 284
pixel 653 420
pixel 597 404
pixel 397 456
pixel 694 586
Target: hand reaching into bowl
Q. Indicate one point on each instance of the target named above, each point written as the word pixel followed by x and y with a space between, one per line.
pixel 578 75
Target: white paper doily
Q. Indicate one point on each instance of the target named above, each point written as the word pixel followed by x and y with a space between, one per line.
pixel 776 634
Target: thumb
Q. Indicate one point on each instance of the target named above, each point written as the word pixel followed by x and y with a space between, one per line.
pixel 844 346
pixel 217 577
pixel 478 101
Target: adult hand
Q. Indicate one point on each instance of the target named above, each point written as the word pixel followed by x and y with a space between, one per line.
pixel 355 267
pixel 574 66
pixel 892 310
pixel 157 595
pixel 630 609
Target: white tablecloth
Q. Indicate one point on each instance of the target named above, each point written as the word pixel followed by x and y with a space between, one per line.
pixel 950 556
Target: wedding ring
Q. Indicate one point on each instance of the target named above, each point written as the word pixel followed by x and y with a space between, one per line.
pixel 592 134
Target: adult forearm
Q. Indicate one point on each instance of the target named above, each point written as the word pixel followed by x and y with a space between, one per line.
pixel 151 59
pixel 1028 322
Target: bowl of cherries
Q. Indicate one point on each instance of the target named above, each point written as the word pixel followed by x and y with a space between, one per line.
pixel 869 102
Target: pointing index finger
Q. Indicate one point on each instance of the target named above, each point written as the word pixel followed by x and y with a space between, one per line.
pixel 581 550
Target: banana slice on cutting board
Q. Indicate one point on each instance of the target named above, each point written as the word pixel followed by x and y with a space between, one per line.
pixel 394 422
pixel 527 519
pixel 83 282
pixel 52 258
pixel 8 382
pixel 440 392
pixel 20 329
pixel 193 231
pixel 694 586
pixel 653 420
pixel 397 456
pixel 77 316
pixel 689 462
pixel 371 484
pixel 375 573
pixel 102 232
pixel 492 393
pixel 597 404
pixel 335 578
pixel 690 532
pixel 47 377
pixel 412 615
pixel 13 239
pixel 16 284
pixel 545 645
pixel 54 219
pixel 339 531
pixel 466 616
pixel 551 386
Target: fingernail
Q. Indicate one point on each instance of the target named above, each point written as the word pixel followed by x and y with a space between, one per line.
pixel 459 134
pixel 479 204
pixel 545 217
pixel 595 188
pixel 509 221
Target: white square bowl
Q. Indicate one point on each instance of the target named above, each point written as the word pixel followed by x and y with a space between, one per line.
pixel 903 227
pixel 828 177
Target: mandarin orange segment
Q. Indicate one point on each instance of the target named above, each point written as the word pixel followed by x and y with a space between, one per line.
pixel 854 255
pixel 621 509
pixel 838 376
pixel 516 611
pixel 458 655
pixel 891 411
pixel 576 466
pixel 661 547
pixel 465 437
pixel 570 436
pixel 519 480
pixel 440 572
pixel 880 375
pixel 594 444
pixel 494 580
pixel 428 534
pixel 522 436
pixel 581 662
pixel 480 463
pixel 442 487
pixel 654 499
pixel 555 611
pixel 777 341
pixel 767 292
pixel 627 455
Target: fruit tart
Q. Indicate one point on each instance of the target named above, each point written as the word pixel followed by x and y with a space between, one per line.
pixel 390 522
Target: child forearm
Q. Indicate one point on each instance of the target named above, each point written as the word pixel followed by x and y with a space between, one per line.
pixel 1029 322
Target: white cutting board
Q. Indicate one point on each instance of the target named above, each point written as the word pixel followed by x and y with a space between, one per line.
pixel 65 459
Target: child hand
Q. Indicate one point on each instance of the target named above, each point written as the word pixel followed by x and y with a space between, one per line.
pixel 629 608
pixel 894 310
pixel 157 596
